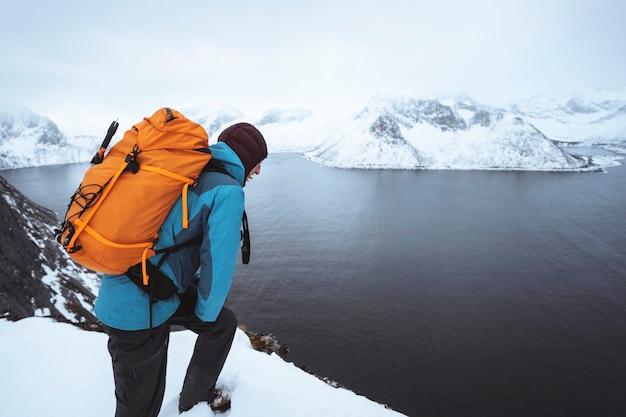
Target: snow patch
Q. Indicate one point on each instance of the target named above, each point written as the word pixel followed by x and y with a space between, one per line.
pixel 68 371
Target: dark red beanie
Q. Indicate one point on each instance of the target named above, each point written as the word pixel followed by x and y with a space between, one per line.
pixel 247 142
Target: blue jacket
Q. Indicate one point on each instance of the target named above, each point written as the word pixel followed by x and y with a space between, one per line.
pixel 215 207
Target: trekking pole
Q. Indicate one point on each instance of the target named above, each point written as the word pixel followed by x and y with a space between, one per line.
pixel 99 156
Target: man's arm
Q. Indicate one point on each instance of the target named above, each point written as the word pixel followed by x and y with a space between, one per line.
pixel 218 253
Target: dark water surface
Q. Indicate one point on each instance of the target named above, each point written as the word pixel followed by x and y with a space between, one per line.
pixel 439 293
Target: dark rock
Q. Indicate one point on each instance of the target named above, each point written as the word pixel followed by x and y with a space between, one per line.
pixel 36 277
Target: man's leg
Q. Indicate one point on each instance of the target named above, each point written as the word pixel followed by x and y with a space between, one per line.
pixel 210 352
pixel 139 364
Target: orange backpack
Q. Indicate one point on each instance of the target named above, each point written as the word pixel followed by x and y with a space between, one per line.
pixel 113 219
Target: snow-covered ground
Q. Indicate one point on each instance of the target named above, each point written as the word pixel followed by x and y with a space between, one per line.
pixel 57 370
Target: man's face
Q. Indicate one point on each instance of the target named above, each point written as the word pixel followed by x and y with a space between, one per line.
pixel 255 171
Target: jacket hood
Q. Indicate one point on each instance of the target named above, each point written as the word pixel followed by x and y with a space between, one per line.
pixel 223 153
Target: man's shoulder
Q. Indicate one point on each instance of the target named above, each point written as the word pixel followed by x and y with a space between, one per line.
pixel 207 181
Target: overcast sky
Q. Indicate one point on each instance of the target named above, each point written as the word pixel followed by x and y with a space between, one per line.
pixel 117 57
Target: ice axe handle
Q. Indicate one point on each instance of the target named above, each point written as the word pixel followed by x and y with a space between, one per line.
pixel 99 156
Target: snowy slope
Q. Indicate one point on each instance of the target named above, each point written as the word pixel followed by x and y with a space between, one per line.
pixel 56 370
pixel 508 143
pixel 36 275
pixel 372 139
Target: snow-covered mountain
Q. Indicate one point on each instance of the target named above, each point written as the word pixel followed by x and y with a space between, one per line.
pixel 28 139
pixel 388 132
pixel 591 117
pixel 396 132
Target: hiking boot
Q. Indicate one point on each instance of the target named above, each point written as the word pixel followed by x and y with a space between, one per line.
pixel 220 402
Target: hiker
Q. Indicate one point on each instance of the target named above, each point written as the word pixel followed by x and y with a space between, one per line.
pixel 138 335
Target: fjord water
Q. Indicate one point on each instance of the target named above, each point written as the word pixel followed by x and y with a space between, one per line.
pixel 439 293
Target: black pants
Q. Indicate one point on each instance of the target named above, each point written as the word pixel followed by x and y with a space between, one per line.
pixel 140 360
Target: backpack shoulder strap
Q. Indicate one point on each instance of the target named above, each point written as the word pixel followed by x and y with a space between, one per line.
pixel 217 166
